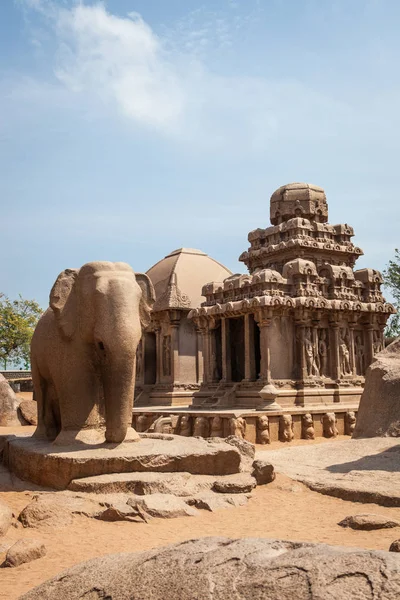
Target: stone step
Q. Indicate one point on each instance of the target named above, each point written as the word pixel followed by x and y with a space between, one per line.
pixel 53 466
pixel 179 484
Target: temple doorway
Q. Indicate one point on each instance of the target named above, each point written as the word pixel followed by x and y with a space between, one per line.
pixel 150 359
pixel 236 337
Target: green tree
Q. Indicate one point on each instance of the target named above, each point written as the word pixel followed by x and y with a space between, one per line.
pixel 18 320
pixel 391 278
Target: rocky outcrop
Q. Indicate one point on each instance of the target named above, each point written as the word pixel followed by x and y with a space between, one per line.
pixel 24 551
pixel 29 411
pixel 263 472
pixel 163 506
pixel 9 403
pixel 56 510
pixel 5 518
pixel 379 411
pixel 368 522
pixel 223 569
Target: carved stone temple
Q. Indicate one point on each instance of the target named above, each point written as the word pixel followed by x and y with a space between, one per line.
pixel 281 351
pixel 169 365
pixel 302 326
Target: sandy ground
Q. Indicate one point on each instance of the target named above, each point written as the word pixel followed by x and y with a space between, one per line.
pixel 283 509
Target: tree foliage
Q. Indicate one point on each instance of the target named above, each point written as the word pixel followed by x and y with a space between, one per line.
pixel 18 320
pixel 391 278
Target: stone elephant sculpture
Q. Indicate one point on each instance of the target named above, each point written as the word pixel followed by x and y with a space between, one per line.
pixel 83 353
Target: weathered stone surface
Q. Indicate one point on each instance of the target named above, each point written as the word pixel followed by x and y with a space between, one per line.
pixel 5 518
pixel 24 551
pixel 164 506
pixel 56 510
pixel 379 410
pixel 368 522
pixel 8 405
pixel 395 546
pixel 223 569
pixel 246 449
pixel 28 410
pixel 365 470
pixel 48 466
pixel 213 501
pixel 178 484
pixel 121 512
pixel 263 472
pixel 239 484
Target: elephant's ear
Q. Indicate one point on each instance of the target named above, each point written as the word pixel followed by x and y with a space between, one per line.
pixel 147 300
pixel 64 302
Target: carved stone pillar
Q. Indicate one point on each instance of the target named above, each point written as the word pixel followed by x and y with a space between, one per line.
pixel 249 354
pixel 226 351
pixel 335 355
pixel 157 331
pixel 353 365
pixel 269 391
pixel 140 379
pixel 174 328
pixel 200 356
pixel 301 351
pixel 369 346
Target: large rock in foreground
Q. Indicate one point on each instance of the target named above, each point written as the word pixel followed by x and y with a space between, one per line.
pixel 223 569
pixel 379 411
pixel 8 405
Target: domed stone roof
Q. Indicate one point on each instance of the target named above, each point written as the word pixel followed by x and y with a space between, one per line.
pixel 178 278
pixel 298 200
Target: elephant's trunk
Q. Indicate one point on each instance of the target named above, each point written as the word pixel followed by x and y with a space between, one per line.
pixel 118 385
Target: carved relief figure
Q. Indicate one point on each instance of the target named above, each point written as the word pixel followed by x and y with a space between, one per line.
pixel 185 426
pixel 237 426
pixel 359 352
pixel 377 344
pixel 307 427
pixel 329 425
pixel 217 427
pixel 166 357
pixel 286 428
pixel 263 430
pixel 322 353
pixel 200 428
pixel 344 353
pixel 350 422
pixel 309 349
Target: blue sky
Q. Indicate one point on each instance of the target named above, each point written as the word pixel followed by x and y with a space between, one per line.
pixel 129 129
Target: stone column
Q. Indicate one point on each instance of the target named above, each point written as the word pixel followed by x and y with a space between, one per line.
pixel 200 356
pixel 301 345
pixel 157 331
pixel 335 356
pixel 249 353
pixel 175 350
pixel 269 391
pixel 369 346
pixel 226 351
pixel 351 350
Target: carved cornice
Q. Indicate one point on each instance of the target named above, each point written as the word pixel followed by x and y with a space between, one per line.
pixel 172 298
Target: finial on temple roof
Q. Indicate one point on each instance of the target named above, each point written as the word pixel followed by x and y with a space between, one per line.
pixel 298 200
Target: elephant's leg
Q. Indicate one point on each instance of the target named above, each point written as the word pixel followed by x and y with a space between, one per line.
pixel 45 427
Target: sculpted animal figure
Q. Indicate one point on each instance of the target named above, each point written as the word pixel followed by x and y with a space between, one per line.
pixel 329 425
pixel 185 426
pixel 263 430
pixel 237 426
pixel 286 428
pixel 83 353
pixel 217 427
pixel 308 431
pixel 350 422
pixel 200 428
